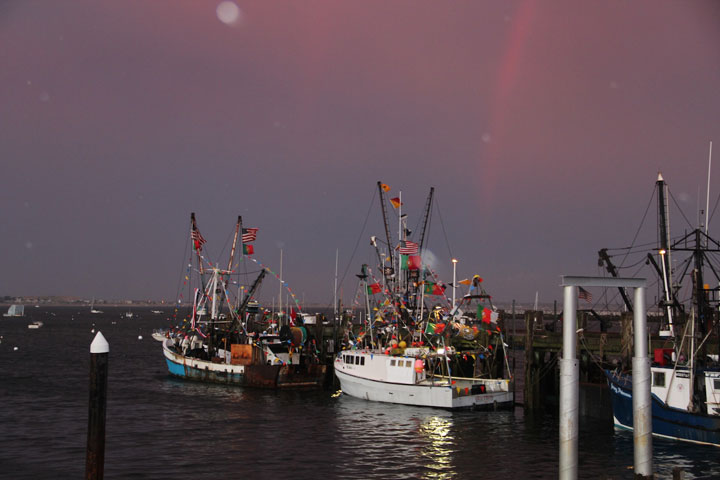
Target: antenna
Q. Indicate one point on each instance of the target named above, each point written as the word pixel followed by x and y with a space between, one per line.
pixel 707 204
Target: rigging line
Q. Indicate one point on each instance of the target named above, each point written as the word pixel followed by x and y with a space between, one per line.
pixel 680 209
pixel 647 209
pixel 643 259
pixel 714 208
pixel 357 243
pixel 649 244
pixel 437 205
pixel 182 269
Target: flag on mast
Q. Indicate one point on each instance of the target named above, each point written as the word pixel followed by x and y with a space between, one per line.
pixel 406 247
pixel 249 234
pixel 198 239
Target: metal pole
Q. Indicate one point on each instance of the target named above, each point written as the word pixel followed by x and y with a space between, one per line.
pixel 569 393
pixel 95 456
pixel 454 262
pixel 642 408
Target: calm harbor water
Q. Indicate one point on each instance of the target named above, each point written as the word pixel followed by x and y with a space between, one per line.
pixel 159 427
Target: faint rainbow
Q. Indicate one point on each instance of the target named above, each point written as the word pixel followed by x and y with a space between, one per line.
pixel 505 84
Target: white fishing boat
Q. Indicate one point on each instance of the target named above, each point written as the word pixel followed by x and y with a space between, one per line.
pixel 405 379
pixel 35 325
pixel 15 311
pixel 414 355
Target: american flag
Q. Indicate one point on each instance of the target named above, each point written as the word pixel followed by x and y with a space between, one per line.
pixel 249 234
pixel 584 294
pixel 407 247
pixel 198 239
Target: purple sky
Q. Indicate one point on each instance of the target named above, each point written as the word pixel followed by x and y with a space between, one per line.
pixel 541 125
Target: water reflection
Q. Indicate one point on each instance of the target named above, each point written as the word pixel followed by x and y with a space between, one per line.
pixel 438 452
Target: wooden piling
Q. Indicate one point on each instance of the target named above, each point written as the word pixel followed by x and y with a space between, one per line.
pixel 532 382
pixel 95 457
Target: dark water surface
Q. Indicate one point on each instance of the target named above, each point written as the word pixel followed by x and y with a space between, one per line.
pixel 159 427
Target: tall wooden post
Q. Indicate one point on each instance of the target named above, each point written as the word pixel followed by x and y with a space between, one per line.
pixel 95 457
pixel 531 387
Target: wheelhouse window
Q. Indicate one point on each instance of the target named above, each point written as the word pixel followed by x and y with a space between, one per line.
pixel 357 360
pixel 716 384
pixel 362 360
pixel 658 379
pixel 392 362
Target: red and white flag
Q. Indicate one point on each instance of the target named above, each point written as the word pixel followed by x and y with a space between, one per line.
pixel 249 234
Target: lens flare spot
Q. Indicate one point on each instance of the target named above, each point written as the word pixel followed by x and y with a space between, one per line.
pixel 229 13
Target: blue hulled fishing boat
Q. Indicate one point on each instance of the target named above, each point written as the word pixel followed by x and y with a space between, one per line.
pixel 685 376
pixel 232 340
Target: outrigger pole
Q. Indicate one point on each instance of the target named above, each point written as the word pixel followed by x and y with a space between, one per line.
pixel 232 251
pixel 428 209
pixel 387 233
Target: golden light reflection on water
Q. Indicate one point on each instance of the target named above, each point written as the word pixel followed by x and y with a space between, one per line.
pixel 439 449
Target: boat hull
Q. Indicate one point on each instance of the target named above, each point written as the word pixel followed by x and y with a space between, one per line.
pixel 667 421
pixel 259 376
pixel 427 394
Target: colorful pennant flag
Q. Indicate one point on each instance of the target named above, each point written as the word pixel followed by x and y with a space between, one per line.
pixel 396 202
pixel 465 282
pixel 248 249
pixel 485 314
pixel 385 187
pixel 432 288
pixel 374 288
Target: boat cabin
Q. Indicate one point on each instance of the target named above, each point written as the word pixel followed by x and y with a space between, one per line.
pixel 382 368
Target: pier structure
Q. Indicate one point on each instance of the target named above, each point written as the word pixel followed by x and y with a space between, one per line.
pixel 570 375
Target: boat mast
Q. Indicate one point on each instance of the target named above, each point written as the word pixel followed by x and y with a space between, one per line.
pixel 194 233
pixel 387 231
pixel 234 243
pixel 400 238
pixel 335 302
pixel 428 209
pixel 664 225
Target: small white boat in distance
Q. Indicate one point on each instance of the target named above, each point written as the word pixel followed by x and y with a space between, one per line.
pixel 15 311
pixel 35 325
pixel 92 308
pixel 160 335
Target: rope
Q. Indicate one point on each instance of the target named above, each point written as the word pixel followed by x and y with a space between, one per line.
pixel 357 243
pixel 679 209
pixel 437 204
pixel 647 209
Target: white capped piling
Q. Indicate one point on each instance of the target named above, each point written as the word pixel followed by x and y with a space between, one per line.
pixel 642 406
pixel 95 457
pixel 570 377
pixel 569 381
